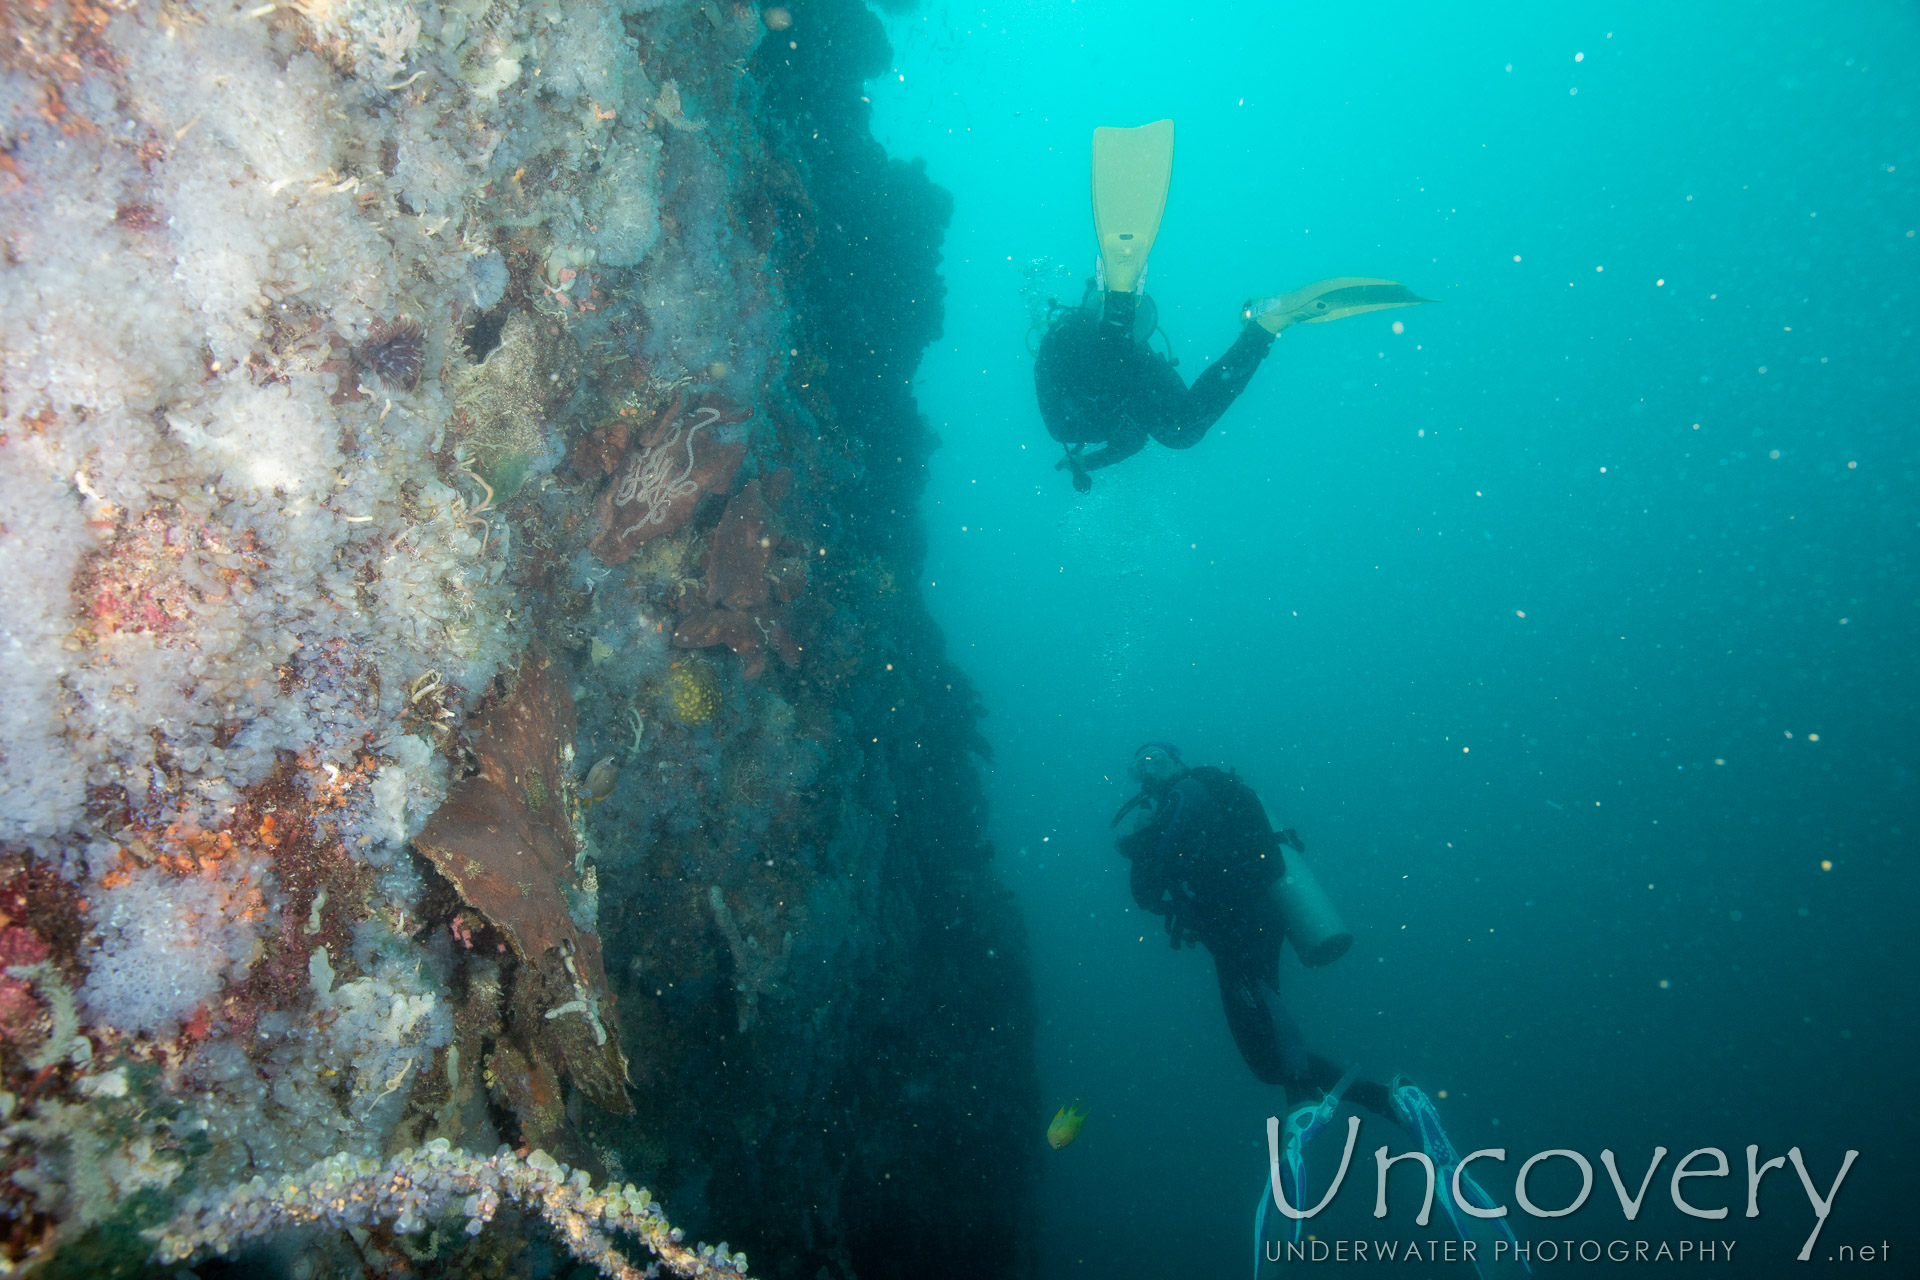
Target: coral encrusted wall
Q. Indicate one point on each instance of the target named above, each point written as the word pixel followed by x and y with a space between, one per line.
pixel 465 684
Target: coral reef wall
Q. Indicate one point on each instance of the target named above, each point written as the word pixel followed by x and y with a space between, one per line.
pixel 464 676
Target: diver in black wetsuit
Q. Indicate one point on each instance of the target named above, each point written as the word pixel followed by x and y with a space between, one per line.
pixel 1207 859
pixel 1098 381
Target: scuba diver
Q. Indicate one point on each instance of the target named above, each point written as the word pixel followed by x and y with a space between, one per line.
pixel 1098 381
pixel 1207 860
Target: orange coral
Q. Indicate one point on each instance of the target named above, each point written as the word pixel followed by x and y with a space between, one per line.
pixel 58 43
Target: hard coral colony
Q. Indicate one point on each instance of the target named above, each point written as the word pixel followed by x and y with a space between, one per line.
pixel 693 691
pixel 317 596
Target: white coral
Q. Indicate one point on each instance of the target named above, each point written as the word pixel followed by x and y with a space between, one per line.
pixel 40 790
pixel 168 944
pixel 394 39
pixel 667 107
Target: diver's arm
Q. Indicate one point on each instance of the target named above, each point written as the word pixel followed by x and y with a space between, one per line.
pixel 1146 879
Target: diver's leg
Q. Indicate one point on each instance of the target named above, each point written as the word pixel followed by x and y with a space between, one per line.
pixel 1116 316
pixel 1324 1073
pixel 1217 387
pixel 1264 1032
pixel 1273 1046
pixel 1127 439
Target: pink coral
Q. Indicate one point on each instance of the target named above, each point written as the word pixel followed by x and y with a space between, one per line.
pixel 19 1011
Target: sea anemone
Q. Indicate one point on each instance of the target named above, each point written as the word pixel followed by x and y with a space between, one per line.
pixel 396 352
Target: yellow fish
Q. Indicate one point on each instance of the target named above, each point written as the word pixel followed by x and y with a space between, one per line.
pixel 1066 1125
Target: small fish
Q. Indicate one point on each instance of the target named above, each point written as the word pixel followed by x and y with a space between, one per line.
pixel 600 780
pixel 1557 806
pixel 1066 1125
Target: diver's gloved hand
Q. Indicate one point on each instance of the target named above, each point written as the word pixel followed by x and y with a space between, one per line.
pixel 1082 482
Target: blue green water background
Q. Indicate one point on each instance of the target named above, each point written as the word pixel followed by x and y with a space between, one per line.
pixel 1572 627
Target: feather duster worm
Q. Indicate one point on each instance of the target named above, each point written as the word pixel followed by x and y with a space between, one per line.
pixel 396 352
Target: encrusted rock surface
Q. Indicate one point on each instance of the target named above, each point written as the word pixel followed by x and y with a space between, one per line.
pixel 504 407
pixel 308 636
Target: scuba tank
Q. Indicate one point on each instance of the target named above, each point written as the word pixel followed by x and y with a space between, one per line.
pixel 1313 925
pixel 1143 328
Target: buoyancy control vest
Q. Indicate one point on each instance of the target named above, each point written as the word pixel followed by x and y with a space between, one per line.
pixel 1231 860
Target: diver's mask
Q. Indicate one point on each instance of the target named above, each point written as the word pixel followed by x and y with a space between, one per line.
pixel 1155 764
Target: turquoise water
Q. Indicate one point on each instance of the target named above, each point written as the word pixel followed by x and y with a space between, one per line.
pixel 1570 626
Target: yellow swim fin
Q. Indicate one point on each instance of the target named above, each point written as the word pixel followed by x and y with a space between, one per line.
pixel 1131 170
pixel 1333 299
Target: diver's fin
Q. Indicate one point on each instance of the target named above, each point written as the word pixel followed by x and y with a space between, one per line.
pixel 1417 1114
pixel 1332 299
pixel 1495 1255
pixel 1131 170
pixel 1260 1227
pixel 1414 1111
